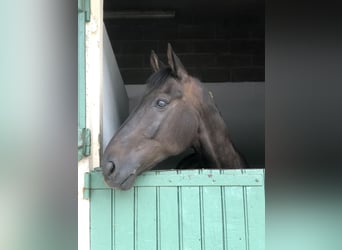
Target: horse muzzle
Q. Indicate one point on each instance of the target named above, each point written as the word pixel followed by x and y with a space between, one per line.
pixel 122 178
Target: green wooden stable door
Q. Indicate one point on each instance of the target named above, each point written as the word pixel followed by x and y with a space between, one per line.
pixel 187 210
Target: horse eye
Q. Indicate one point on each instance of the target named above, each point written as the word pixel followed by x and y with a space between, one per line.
pixel 161 103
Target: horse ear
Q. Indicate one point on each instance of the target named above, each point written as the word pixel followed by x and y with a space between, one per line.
pixel 174 62
pixel 156 64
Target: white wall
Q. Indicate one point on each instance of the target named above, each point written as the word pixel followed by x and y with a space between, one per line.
pixel 114 96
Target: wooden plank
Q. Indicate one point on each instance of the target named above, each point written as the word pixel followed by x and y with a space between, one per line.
pixel 101 220
pixel 255 204
pixel 81 72
pixel 234 218
pixel 167 217
pixel 190 218
pixel 145 219
pixel 212 216
pixel 170 216
pixel 123 223
pixel 81 118
pixel 193 178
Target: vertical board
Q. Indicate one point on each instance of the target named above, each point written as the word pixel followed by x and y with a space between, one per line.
pixel 145 218
pixel 101 219
pixel 81 71
pixel 212 215
pixel 123 223
pixel 81 89
pixel 256 208
pixel 168 217
pixel 235 235
pixel 212 219
pixel 159 214
pixel 190 212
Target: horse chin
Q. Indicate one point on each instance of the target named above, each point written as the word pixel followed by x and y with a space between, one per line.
pixel 123 185
pixel 128 183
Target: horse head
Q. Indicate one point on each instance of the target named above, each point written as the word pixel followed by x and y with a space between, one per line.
pixel 165 123
pixel 175 113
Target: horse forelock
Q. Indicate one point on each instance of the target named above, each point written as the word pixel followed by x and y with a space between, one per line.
pixel 159 78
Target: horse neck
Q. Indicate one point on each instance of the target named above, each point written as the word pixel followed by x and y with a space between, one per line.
pixel 214 143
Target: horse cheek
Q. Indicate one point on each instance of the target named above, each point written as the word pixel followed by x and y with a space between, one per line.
pixel 186 130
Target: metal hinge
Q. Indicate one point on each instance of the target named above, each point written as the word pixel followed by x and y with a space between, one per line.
pixel 84 6
pixel 84 142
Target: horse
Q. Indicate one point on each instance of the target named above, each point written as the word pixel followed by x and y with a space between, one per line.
pixel 175 113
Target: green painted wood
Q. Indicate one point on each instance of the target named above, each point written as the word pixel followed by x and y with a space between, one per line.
pixel 87 10
pixel 124 220
pixel 80 5
pixel 167 217
pixel 213 218
pixel 83 134
pixel 86 188
pixel 191 218
pixel 168 230
pixel 81 79
pixel 235 237
pixel 146 218
pixel 81 70
pixel 161 216
pixel 84 6
pixel 101 219
pixel 193 178
pixel 211 214
pixel 255 203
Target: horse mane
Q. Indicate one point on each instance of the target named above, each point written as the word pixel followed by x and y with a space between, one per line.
pixel 159 78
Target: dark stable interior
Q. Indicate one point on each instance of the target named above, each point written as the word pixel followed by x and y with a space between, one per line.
pixel 220 42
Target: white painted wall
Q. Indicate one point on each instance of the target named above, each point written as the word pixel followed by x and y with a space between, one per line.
pixel 114 97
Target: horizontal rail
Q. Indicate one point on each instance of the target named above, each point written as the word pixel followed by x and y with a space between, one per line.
pixel 250 177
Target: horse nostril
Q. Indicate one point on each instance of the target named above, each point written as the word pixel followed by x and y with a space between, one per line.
pixel 110 167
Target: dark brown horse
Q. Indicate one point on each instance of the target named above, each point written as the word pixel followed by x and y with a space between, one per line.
pixel 175 113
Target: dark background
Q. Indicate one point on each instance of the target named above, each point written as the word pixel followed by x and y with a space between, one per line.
pixel 303 124
pixel 217 41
